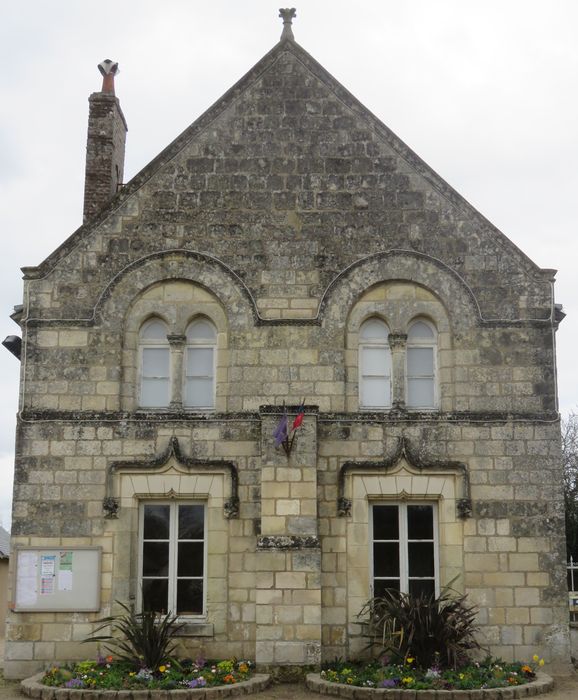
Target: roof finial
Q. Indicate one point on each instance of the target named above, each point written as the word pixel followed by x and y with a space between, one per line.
pixel 287 13
pixel 108 69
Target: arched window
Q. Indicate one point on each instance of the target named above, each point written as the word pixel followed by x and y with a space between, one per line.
pixel 421 365
pixel 374 365
pixel 199 390
pixel 155 362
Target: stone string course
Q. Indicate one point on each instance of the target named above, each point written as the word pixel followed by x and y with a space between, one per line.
pixel 32 688
pixel 543 684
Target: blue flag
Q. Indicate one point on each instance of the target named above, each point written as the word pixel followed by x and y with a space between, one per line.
pixel 281 431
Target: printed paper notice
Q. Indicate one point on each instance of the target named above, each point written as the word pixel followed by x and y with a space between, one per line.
pixel 65 571
pixel 47 565
pixel 26 591
pixel 65 580
pixel 65 563
pixel 47 573
pixel 47 586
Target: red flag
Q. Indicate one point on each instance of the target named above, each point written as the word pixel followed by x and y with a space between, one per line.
pixel 298 419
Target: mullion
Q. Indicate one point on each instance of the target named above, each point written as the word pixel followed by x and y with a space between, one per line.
pixel 427 541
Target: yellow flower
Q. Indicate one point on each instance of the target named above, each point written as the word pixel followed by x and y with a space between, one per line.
pixel 535 658
pixel 541 662
pixel 162 669
pixel 462 676
pixel 410 659
pixel 407 680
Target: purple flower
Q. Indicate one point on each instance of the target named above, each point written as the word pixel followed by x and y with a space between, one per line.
pixel 199 682
pixel 389 683
pixel 74 683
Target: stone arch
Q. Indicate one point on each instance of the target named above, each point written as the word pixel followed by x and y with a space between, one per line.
pixel 176 264
pixel 403 266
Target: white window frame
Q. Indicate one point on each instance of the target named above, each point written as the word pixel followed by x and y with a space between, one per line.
pixel 431 343
pixel 362 376
pixel 403 544
pixel 173 553
pixel 192 344
pixel 153 344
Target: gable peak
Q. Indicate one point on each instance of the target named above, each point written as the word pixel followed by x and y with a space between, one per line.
pixel 287 14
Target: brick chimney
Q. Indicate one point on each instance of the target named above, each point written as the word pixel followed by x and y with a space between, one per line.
pixel 105 144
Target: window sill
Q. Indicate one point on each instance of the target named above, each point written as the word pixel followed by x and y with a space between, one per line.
pixel 196 629
pixel 173 409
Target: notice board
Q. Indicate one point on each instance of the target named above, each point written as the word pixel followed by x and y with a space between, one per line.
pixel 48 579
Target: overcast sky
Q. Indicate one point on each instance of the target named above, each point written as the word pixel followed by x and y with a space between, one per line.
pixel 485 91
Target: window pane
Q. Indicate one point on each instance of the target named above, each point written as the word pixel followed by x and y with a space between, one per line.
pixel 419 329
pixel 191 522
pixel 385 523
pixel 155 594
pixel 420 393
pixel 189 597
pixel 155 362
pixel 190 559
pixel 420 522
pixel 155 559
pixel 421 558
pixel 385 559
pixel 201 330
pixel 199 362
pixel 416 588
pixel 155 330
pixel 420 362
pixel 374 329
pixel 380 586
pixel 375 392
pixel 156 522
pixel 154 392
pixel 199 392
pixel 375 361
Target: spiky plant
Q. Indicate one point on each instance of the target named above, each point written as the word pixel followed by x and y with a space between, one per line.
pixel 147 637
pixel 433 630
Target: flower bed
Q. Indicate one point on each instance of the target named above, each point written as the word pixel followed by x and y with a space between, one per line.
pixel 489 674
pixel 108 674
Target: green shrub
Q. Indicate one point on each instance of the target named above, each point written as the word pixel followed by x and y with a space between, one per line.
pixel 432 630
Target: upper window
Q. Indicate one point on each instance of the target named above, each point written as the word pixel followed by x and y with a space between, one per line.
pixel 404 548
pixel 421 365
pixel 374 365
pixel 172 557
pixel 200 365
pixel 155 362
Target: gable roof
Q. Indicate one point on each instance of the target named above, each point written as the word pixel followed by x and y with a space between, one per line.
pixel 286 44
pixel 4 543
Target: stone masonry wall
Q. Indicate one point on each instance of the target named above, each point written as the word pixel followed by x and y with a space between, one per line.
pixel 288 215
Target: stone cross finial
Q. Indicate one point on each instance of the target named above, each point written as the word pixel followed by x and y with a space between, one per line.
pixel 287 13
pixel 108 69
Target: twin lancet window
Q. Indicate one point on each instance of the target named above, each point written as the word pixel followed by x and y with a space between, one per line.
pixel 178 370
pixel 397 369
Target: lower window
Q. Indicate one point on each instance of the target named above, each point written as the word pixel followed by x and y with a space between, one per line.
pixel 172 557
pixel 405 548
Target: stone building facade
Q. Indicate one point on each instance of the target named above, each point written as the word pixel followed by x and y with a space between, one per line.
pixel 288 248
